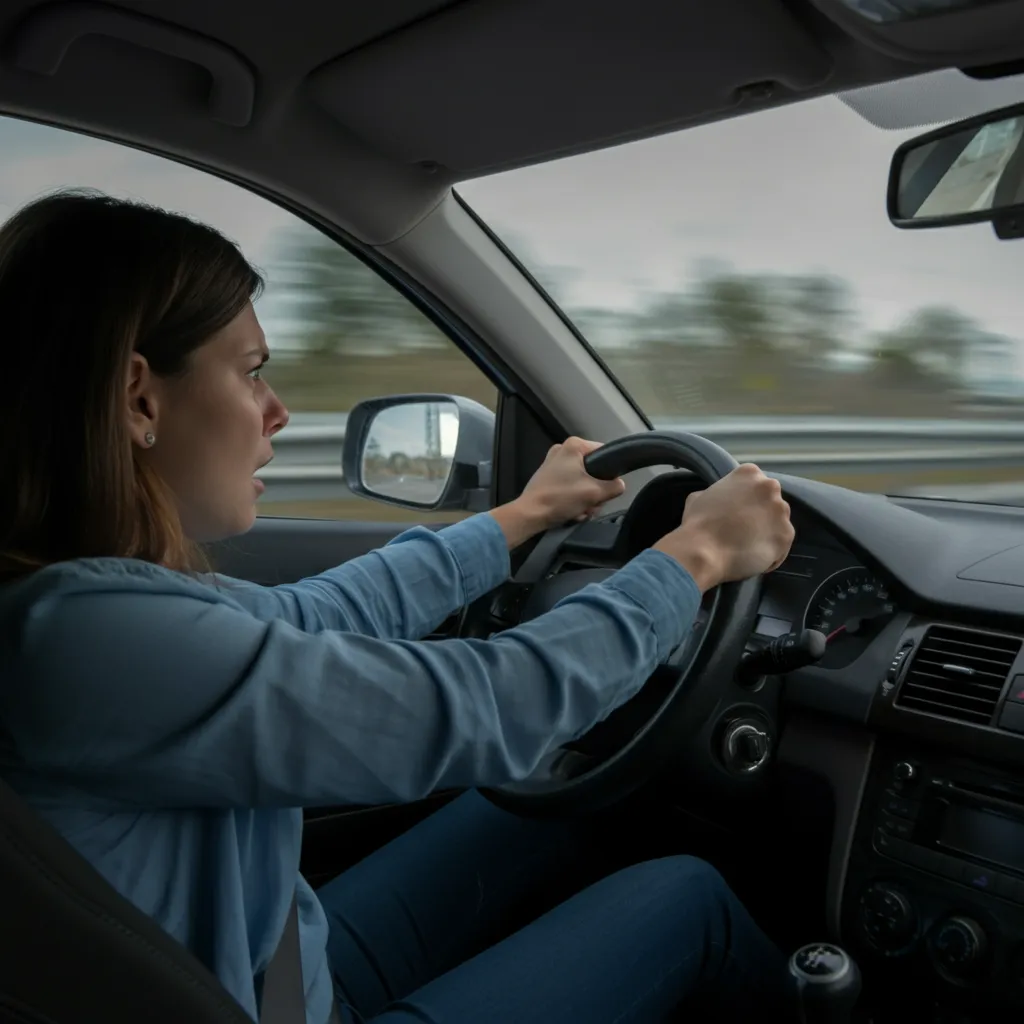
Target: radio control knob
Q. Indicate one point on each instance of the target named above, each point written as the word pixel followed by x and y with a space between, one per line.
pixel 887 917
pixel 905 771
pixel 959 945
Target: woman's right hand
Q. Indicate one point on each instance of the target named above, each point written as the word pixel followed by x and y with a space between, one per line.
pixel 739 527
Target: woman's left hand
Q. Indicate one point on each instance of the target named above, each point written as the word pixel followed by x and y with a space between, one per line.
pixel 561 491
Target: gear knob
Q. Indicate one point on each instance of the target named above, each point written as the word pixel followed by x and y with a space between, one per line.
pixel 827 983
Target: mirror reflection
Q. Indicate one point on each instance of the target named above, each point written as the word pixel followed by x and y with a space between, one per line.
pixel 409 450
pixel 969 171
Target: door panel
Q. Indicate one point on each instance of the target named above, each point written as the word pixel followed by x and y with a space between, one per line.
pixel 285 550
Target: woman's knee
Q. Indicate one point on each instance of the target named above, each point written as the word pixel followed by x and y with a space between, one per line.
pixel 679 886
pixel 680 873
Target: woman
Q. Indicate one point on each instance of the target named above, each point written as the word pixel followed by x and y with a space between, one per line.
pixel 171 725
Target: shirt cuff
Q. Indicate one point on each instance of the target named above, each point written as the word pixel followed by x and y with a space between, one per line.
pixel 479 546
pixel 665 590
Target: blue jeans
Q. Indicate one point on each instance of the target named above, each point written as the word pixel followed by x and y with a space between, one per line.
pixel 410 928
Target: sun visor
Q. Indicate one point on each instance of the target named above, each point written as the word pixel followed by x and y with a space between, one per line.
pixel 482 87
pixel 936 97
pixel 960 33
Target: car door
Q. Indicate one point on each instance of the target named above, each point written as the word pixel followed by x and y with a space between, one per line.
pixel 339 333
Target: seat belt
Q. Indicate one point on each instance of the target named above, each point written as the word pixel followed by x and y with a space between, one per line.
pixel 284 992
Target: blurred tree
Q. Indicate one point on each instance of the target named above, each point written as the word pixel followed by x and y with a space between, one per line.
pixel 819 312
pixel 942 337
pixel 339 305
pixel 895 363
pixel 936 339
pixel 674 317
pixel 738 311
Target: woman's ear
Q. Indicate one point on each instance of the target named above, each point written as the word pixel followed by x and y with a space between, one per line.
pixel 142 402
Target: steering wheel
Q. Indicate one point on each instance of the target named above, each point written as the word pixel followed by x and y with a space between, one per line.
pixel 686 687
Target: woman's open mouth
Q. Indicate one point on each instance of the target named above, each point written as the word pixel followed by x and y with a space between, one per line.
pixel 256 481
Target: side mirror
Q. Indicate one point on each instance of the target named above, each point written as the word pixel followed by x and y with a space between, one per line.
pixel 426 452
pixel 966 172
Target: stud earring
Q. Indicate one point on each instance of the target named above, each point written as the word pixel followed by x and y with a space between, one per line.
pixel 150 439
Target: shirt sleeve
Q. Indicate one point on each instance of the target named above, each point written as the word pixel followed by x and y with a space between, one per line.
pixel 404 590
pixel 169 699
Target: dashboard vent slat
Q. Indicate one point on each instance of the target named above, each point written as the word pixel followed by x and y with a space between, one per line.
pixel 959 673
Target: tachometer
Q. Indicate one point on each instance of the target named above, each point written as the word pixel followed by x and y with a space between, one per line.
pixel 850 608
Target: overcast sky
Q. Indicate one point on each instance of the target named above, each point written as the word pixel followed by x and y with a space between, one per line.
pixel 793 190
pixel 790 190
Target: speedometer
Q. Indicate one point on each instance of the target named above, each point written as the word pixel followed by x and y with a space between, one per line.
pixel 850 608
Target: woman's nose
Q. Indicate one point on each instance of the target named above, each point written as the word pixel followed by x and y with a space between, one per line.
pixel 276 416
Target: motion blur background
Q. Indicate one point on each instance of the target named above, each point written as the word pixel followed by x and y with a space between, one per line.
pixel 740 279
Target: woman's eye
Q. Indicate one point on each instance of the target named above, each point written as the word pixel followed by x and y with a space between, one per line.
pixel 256 373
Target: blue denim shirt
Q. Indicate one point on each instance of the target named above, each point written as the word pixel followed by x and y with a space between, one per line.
pixel 172 728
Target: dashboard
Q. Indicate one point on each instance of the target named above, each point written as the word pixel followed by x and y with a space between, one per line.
pixel 875 575
pixel 914 715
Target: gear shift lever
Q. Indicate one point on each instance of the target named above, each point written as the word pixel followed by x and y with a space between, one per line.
pixel 827 982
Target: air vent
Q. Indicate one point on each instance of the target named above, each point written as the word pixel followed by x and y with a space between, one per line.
pixel 959 673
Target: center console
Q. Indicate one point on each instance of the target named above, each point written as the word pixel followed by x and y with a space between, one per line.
pixel 934 892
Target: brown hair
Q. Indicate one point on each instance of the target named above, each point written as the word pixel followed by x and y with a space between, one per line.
pixel 85 281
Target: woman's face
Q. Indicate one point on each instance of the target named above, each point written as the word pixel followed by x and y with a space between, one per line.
pixel 212 427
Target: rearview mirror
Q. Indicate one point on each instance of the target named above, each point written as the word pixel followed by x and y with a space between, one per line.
pixel 963 173
pixel 427 452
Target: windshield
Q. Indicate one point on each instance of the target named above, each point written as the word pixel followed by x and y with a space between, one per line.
pixel 742 281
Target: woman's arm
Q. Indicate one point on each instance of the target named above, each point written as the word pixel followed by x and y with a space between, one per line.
pixel 169 697
pixel 404 590
pixel 409 587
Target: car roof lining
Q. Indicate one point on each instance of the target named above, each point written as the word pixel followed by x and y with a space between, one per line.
pixel 365 113
pixel 493 91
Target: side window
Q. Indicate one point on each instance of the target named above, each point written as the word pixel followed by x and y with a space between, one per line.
pixel 341 334
pixel 338 333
